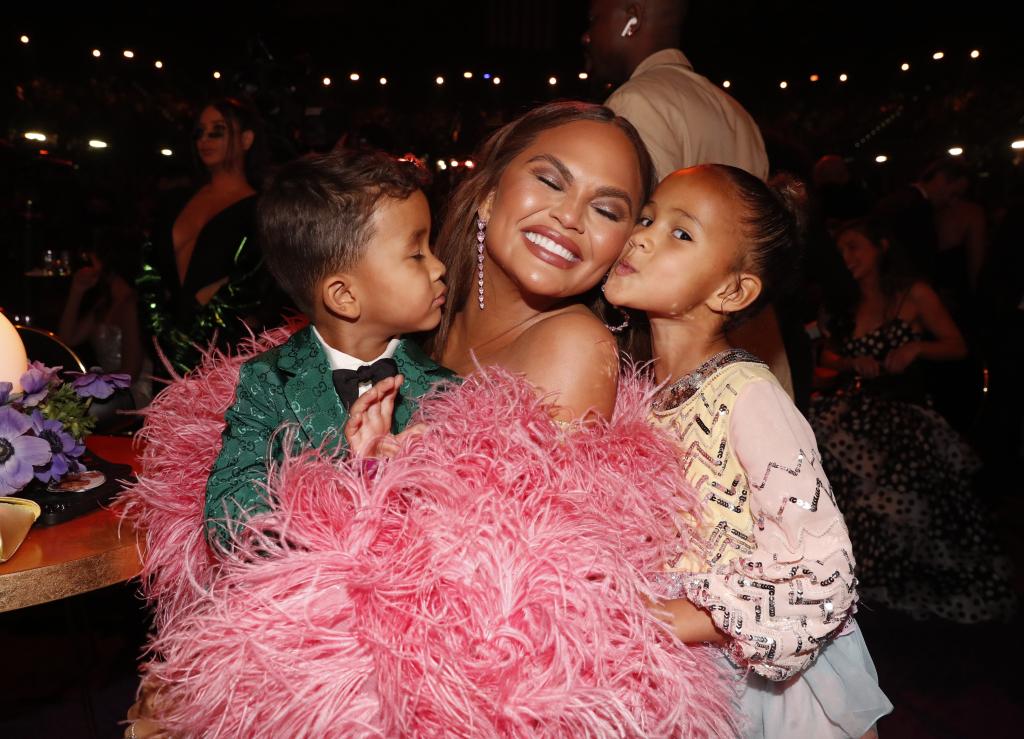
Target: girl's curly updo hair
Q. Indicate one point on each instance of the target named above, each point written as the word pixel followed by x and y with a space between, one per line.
pixel 774 227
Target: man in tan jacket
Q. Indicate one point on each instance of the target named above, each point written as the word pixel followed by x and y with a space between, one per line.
pixel 683 118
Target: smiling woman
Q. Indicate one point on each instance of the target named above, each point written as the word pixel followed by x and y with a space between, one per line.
pixel 537 225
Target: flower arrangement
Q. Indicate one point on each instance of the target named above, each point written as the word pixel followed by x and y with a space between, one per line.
pixel 43 426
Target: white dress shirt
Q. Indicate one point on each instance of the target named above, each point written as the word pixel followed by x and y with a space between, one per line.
pixel 340 360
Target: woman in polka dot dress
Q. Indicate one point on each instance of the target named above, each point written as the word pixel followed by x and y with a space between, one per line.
pixel 901 475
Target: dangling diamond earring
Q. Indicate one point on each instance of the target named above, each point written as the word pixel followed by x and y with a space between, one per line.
pixel 481 230
pixel 625 318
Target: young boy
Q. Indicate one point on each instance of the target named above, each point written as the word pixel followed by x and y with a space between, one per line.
pixel 346 235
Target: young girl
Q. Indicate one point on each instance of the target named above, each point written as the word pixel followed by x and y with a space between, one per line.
pixel 769 572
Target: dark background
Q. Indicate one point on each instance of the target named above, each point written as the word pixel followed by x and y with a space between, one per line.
pixel 70 665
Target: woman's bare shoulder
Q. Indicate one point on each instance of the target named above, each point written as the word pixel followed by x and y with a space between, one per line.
pixel 574 326
pixel 577 337
pixel 573 356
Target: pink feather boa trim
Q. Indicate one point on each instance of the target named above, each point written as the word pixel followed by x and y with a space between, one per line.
pixel 486 581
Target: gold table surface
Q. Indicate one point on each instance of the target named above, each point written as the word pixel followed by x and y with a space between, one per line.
pixel 86 553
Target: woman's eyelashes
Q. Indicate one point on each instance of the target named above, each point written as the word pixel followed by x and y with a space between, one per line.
pixel 550 181
pixel 554 184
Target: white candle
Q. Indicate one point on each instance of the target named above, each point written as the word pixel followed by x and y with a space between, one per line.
pixel 13 360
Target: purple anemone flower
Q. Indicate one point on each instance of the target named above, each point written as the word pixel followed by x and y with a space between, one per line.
pixel 5 391
pixel 63 446
pixel 35 383
pixel 20 452
pixel 97 385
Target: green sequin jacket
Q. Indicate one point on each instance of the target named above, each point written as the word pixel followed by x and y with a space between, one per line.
pixel 291 384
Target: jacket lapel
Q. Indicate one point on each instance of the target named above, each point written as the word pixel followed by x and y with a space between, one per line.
pixel 309 388
pixel 421 373
pixel 414 361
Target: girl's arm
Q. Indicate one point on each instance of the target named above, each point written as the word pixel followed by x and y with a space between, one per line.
pixel 783 602
pixel 834 361
pixel 689 623
pixel 865 366
pixel 948 343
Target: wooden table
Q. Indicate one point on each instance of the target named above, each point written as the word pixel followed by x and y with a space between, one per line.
pixel 83 554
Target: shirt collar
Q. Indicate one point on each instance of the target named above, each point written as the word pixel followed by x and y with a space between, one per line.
pixel 659 58
pixel 340 360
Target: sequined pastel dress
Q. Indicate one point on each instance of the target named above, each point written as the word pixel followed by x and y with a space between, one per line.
pixel 905 481
pixel 769 557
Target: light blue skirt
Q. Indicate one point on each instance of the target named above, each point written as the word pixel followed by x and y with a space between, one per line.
pixel 837 696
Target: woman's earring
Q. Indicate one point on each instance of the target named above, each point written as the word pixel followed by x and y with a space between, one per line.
pixel 481 231
pixel 625 319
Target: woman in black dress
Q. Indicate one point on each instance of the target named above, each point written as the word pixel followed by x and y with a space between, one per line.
pixel 903 477
pixel 203 279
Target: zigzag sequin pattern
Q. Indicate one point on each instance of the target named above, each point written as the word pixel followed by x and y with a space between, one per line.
pixel 770 560
pixel 700 423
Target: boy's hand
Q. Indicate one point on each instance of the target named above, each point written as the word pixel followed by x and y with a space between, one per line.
pixel 414 430
pixel 368 429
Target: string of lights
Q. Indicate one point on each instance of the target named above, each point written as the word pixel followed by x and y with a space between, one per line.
pixel 552 80
pixel 356 78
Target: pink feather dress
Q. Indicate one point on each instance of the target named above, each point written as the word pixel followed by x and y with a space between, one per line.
pixel 484 582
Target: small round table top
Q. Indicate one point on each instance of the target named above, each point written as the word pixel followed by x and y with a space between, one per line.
pixel 86 553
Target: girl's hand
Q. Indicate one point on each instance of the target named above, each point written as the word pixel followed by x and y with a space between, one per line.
pixel 368 429
pixel 902 357
pixel 866 367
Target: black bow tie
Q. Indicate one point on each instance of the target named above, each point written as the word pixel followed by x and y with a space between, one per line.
pixel 347 382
